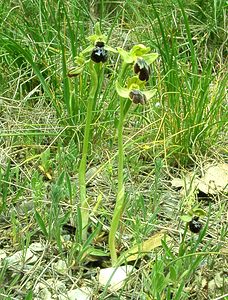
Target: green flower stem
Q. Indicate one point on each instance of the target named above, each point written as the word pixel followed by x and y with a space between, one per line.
pixel 120 195
pixel 82 167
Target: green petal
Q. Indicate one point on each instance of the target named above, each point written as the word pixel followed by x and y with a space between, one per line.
pixel 126 56
pixel 149 94
pixel 110 49
pixel 87 50
pixel 121 91
pixel 150 57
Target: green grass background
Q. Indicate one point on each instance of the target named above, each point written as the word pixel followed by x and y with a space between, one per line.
pixel 42 120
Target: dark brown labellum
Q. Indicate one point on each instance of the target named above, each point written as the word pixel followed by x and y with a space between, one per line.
pixel 137 97
pixel 136 68
pixel 143 69
pixel 144 74
pixel 99 54
pixel 195 225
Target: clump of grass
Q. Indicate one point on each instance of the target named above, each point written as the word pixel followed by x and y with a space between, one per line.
pixel 191 98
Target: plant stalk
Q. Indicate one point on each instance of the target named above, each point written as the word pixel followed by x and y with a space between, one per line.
pixel 120 194
pixel 82 167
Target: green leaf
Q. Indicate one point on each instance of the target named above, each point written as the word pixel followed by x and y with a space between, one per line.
pixel 172 274
pixel 143 248
pixel 63 220
pixel 29 296
pixel 40 222
pixel 96 252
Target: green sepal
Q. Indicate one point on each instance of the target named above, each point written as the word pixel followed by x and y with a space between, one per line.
pixel 124 92
pixel 150 57
pixel 137 51
pixel 135 83
pixel 121 91
pixel 199 212
pixel 126 56
pixel 79 60
pixel 110 49
pixel 186 218
pixel 97 29
pixel 149 94
pixel 98 36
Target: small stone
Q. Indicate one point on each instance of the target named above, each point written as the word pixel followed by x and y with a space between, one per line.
pixel 36 247
pixel 115 277
pixel 45 294
pixel 83 293
pixel 20 258
pixel 61 267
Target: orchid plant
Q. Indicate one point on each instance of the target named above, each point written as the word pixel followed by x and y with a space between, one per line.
pixel 134 88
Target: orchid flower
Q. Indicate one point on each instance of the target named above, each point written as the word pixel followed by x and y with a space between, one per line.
pixel 141 58
pixel 98 50
pixel 134 91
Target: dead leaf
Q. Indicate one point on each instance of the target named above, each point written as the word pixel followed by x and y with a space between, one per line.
pixel 145 247
pixel 177 182
pixel 215 179
pixel 188 184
